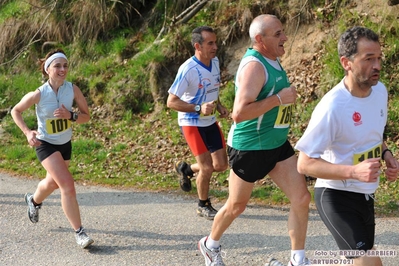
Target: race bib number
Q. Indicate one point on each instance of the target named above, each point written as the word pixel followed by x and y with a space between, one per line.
pixel 57 125
pixel 284 116
pixel 374 152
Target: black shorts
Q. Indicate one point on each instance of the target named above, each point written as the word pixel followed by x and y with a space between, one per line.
pixel 349 216
pixel 46 149
pixel 251 166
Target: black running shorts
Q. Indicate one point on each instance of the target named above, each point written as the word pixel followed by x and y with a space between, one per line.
pixel 46 149
pixel 349 216
pixel 251 166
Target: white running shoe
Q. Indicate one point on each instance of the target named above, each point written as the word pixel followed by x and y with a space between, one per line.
pixel 305 262
pixel 82 239
pixel 273 262
pixel 213 257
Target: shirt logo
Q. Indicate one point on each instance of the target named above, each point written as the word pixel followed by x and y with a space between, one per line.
pixel 357 118
pixel 205 83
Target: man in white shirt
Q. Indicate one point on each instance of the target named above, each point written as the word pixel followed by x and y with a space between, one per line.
pixel 343 146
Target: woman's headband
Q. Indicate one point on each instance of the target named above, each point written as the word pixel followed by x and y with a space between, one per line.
pixel 52 58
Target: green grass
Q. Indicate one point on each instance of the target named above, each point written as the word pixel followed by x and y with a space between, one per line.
pixel 13 9
pixel 13 89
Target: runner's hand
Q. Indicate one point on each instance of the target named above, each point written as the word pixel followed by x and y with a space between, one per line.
pixel 222 111
pixel 62 112
pixel 392 167
pixel 32 140
pixel 288 95
pixel 367 171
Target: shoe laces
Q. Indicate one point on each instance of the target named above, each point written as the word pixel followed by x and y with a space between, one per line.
pixel 82 238
pixel 209 206
pixel 217 256
pixel 35 209
pixel 82 234
pixel 36 206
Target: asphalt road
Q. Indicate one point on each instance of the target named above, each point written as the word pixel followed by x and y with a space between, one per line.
pixel 140 228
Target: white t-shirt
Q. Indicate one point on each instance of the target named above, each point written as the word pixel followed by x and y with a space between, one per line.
pixel 196 83
pixel 345 130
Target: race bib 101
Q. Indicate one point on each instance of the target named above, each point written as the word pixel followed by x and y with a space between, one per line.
pixel 57 125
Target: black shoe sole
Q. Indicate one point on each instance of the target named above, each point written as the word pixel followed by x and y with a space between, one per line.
pixel 185 182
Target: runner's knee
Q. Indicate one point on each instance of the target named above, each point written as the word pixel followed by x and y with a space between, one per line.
pixel 300 198
pixel 206 170
pixel 219 167
pixel 235 209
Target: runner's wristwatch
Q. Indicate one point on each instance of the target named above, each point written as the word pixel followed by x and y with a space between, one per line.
pixel 74 116
pixel 197 109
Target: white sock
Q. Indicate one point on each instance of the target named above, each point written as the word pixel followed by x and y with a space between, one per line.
pixel 210 243
pixel 297 256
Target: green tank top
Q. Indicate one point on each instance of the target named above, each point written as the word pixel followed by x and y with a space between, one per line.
pixel 270 130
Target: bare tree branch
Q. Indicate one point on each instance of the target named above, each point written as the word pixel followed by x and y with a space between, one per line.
pixel 184 17
pixel 195 8
pixel 32 41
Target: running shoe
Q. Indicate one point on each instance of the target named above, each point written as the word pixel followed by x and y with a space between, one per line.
pixel 273 262
pixel 208 212
pixel 82 239
pixel 213 257
pixel 33 210
pixel 303 263
pixel 185 181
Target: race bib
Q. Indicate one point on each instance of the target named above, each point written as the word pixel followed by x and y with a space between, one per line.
pixel 284 116
pixel 374 152
pixel 57 125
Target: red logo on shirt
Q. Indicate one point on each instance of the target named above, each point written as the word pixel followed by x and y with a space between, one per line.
pixel 357 117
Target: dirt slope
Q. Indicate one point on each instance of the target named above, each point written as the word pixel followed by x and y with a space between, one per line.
pixel 305 43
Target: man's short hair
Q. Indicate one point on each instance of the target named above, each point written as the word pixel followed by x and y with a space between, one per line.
pixel 347 44
pixel 196 36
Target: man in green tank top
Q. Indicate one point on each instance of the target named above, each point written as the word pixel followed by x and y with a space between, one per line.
pixel 257 143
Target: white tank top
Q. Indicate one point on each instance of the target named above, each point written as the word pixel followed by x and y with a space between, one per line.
pixel 54 130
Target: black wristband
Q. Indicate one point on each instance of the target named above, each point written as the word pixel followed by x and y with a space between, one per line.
pixel 383 153
pixel 74 116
